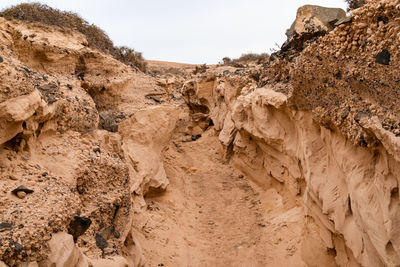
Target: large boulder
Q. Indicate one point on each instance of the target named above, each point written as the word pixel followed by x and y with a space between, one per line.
pixel 311 21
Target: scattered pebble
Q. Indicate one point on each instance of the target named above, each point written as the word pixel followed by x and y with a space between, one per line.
pixel 21 194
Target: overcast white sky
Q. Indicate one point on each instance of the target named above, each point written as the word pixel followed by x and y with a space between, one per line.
pixel 190 31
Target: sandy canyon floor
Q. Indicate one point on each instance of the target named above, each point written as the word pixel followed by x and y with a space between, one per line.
pixel 211 215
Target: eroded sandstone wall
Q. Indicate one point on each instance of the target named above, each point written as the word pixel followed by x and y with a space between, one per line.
pixel 349 191
pixel 80 145
pixel 326 134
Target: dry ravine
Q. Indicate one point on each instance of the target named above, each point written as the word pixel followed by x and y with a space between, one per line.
pixel 292 161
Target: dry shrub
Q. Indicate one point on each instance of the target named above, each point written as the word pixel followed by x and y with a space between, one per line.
pixel 36 12
pixel 200 69
pixel 353 4
pixel 246 58
pixel 130 57
pixel 96 37
pixel 252 57
pixel 227 60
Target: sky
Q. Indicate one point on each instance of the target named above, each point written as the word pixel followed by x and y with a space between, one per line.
pixel 190 31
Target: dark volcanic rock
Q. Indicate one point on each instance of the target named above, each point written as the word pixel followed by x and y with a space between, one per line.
pixel 18 247
pixel 4 226
pixel 78 226
pixel 101 243
pixel 383 57
pixel 195 137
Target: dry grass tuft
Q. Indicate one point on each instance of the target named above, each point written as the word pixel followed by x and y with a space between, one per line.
pixel 96 37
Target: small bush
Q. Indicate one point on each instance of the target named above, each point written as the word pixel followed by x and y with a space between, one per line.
pixel 246 58
pixel 252 57
pixel 353 4
pixel 130 57
pixel 96 37
pixel 227 60
pixel 200 69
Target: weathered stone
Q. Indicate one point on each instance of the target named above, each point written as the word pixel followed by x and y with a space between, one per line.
pixel 383 57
